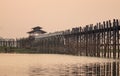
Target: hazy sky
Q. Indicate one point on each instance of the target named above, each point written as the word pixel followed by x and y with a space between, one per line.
pixel 18 16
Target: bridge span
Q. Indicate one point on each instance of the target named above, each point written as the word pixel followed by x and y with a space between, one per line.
pixel 100 40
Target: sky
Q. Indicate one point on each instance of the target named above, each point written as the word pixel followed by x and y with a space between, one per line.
pixel 18 16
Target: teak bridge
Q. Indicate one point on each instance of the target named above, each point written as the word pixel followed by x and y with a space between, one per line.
pixel 100 40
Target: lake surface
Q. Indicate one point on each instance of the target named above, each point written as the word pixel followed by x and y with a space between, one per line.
pixel 56 65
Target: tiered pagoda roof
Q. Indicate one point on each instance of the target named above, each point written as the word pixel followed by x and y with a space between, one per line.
pixel 37 30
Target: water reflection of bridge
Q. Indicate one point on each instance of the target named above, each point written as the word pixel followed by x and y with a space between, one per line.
pixel 101 40
pixel 91 69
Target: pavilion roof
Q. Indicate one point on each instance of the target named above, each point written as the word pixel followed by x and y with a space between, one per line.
pixel 37 27
pixel 37 31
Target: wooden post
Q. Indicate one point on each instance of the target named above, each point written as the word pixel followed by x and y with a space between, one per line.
pixel 104 39
pixel 114 39
pixel 92 40
pixel 107 40
pixel 77 41
pixel 102 50
pixel 117 31
pixel 110 38
pixel 86 40
pixel 80 50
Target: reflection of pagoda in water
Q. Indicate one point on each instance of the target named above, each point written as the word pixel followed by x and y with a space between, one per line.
pixel 36 31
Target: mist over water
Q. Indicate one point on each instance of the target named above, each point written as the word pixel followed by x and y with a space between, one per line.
pixel 56 65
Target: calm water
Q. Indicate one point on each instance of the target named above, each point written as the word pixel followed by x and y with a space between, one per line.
pixel 56 65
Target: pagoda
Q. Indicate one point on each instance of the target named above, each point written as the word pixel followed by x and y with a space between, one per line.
pixel 36 31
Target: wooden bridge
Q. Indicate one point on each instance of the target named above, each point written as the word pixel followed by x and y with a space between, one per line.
pixel 100 40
